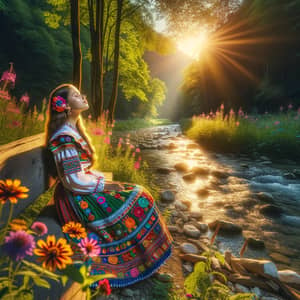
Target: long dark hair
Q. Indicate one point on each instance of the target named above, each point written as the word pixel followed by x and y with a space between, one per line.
pixel 54 120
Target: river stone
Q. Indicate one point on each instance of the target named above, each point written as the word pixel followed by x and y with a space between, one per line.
pixel 196 214
pixel 280 258
pixel 173 228
pixel 181 166
pixel 188 248
pixel 203 227
pixel 181 206
pixel 188 267
pixel 171 146
pixel 219 174
pixel 296 172
pixel 243 165
pixel 189 177
pixel 191 231
pixel 264 196
pixel 255 243
pixel 225 226
pixel 256 290
pixel 164 170
pixel 203 192
pixel 241 288
pixel 199 171
pixel 289 276
pixel 184 216
pixel 289 176
pixel 188 203
pixel 271 210
pixel 167 196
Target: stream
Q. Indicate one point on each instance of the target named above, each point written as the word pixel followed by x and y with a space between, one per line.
pixel 260 195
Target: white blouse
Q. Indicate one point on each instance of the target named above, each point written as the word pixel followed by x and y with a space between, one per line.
pixel 73 173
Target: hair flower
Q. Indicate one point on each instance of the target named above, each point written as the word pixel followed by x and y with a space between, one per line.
pixel 59 103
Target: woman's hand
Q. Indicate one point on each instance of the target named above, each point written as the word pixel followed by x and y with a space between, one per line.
pixel 113 186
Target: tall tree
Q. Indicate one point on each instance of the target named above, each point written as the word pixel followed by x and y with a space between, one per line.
pixel 77 56
pixel 113 99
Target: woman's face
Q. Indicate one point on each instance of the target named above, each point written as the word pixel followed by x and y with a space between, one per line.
pixel 76 100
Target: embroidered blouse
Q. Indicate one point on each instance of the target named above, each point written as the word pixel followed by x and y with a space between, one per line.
pixel 72 158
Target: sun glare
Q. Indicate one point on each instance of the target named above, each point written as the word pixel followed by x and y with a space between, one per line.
pixel 193 45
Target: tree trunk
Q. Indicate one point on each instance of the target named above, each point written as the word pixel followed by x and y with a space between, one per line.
pixel 77 56
pixel 114 94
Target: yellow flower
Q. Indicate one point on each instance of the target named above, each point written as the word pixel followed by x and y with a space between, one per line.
pixel 11 190
pixel 18 224
pixel 54 254
pixel 74 230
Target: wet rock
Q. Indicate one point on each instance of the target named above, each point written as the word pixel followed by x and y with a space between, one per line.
pixel 225 226
pixel 189 177
pixel 264 196
pixel 188 203
pixel 193 258
pixel 181 166
pixel 187 267
pixel 199 171
pixel 203 192
pixel 203 227
pixel 219 174
pixel 248 203
pixel 271 210
pixel 289 176
pixel 188 248
pixel 241 288
pixel 173 228
pixel 192 146
pixel 196 214
pixel 289 276
pixel 255 243
pixel 243 165
pixel 296 172
pixel 171 146
pixel 164 170
pixel 257 291
pixel 191 231
pixel 277 257
pixel 184 216
pixel 167 196
pixel 201 244
pixel 181 206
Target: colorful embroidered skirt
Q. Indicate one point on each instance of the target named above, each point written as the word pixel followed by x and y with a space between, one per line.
pixel 128 226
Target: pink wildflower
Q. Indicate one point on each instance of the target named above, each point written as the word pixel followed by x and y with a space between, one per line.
pixel 276 122
pixel 109 133
pixel 98 131
pixel 107 140
pixel 290 106
pixel 89 247
pixel 25 98
pixel 241 113
pixel 222 106
pixel 89 116
pixel 137 150
pixel 133 154
pixel 137 165
pixel 39 228
pixel 237 123
pixel 131 146
pixel 281 108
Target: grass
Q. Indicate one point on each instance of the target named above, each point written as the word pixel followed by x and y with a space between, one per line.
pixel 275 135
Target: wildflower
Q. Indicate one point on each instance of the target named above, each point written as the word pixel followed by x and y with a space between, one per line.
pixel 137 165
pixel 266 112
pixel 107 140
pixel 231 112
pixel 237 123
pixel 25 98
pixel 276 122
pixel 241 113
pixel 189 295
pixel 222 106
pixel 246 117
pixel 15 124
pixel 89 247
pixel 211 113
pixel 18 244
pixel 98 131
pixel 119 145
pixel 120 140
pixel 140 158
pixel 11 190
pixel 133 154
pixel 54 254
pixel 74 230
pixel 41 117
pixel 89 116
pixel 104 286
pixel 109 133
pixel 39 228
pixel 137 150
pixel 18 224
pixel 131 146
pixel 281 108
pixel 290 106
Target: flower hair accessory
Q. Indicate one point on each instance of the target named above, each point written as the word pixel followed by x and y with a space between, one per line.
pixel 59 104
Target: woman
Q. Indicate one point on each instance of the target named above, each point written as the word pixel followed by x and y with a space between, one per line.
pixel 122 217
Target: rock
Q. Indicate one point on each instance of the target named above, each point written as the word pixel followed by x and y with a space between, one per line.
pixel 188 267
pixel 225 226
pixel 193 258
pixel 189 177
pixel 264 196
pixel 179 205
pixel 201 245
pixel 196 214
pixel 203 227
pixel 219 174
pixel 188 248
pixel 215 264
pixel 164 277
pixel 182 167
pixel 289 176
pixel 167 196
pixel 187 203
pixel 248 203
pixel 191 231
pixel 184 216
pixel 296 172
pixel 199 171
pixel 173 228
pixel 243 165
pixel 271 210
pixel 255 243
pixel 241 288
pixel 277 257
pixel 256 290
pixel 171 146
pixel 264 158
pixel 289 276
pixel 203 192
pixel 192 146
pixel 164 170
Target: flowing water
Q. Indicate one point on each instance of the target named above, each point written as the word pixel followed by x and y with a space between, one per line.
pixel 232 197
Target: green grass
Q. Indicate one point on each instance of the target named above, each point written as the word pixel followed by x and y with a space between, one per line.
pixel 275 135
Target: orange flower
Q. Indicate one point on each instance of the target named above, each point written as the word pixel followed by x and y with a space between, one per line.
pixel 130 223
pixel 74 230
pixel 113 260
pixel 84 204
pixel 54 254
pixel 18 224
pixel 11 190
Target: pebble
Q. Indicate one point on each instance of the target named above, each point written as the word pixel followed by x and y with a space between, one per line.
pixel 188 248
pixel 191 231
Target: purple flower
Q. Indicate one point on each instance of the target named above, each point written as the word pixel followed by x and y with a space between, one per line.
pixel 18 244
pixel 39 228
